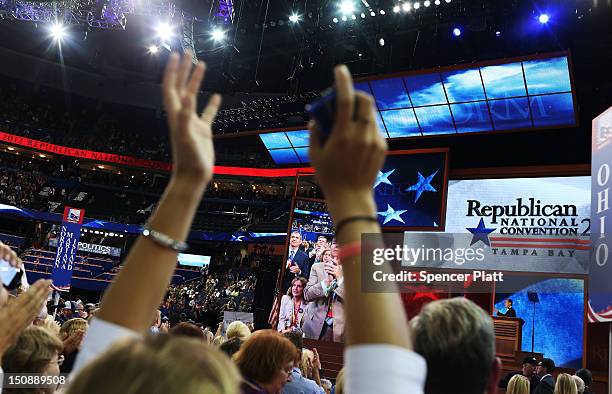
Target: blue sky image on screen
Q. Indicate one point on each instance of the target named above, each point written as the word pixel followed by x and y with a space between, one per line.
pixel 503 81
pixel 390 93
pixel 381 125
pixel 463 85
pixel 471 117
pixel 558 318
pixel 275 140
pixel 303 154
pixel 547 76
pixel 401 123
pixel 553 110
pixel 435 120
pixel 284 156
pixel 425 89
pixel 299 138
pixel 510 113
pixel 405 199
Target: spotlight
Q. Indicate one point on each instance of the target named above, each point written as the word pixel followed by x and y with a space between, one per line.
pixel 218 34
pixel 372 13
pixel 382 12
pixel 153 49
pixel 58 31
pixel 427 3
pixel 437 2
pixel 457 32
pixel 294 18
pixel 417 5
pixel 497 33
pixel 396 9
pixel 346 7
pixel 164 31
pixel 344 18
pixel 353 17
pixel 362 15
pixel 335 20
pixel 543 18
pixel 381 42
pixel 448 1
pixel 406 6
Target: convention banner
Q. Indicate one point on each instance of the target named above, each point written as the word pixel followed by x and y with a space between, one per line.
pixel 66 248
pixel 93 248
pixel 600 291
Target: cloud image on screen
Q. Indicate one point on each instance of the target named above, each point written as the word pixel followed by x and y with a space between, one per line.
pixel 547 76
pixel 463 85
pixel 471 117
pixel 425 89
pixel 435 120
pixel 390 93
pixel 510 113
pixel 275 140
pixel 401 123
pixel 503 81
pixel 553 110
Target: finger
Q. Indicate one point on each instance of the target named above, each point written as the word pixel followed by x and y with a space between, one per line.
pixel 345 100
pixel 169 82
pixel 183 74
pixel 193 87
pixel 365 110
pixel 315 140
pixel 209 113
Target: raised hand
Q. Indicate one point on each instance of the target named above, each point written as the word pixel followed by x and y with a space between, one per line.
pixel 21 312
pixel 190 133
pixel 7 254
pixel 316 361
pixel 346 166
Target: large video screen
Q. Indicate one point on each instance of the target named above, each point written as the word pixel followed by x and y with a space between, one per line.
pixel 517 95
pixel 193 260
pixel 556 320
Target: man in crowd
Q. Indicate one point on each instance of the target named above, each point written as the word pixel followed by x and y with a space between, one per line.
pixel 587 378
pixel 510 312
pixel 457 340
pixel 298 384
pixel 528 371
pixel 315 253
pixel 297 261
pixel 324 315
pixel 544 371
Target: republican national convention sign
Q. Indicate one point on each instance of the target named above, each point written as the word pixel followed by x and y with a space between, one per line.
pixel 600 278
pixel 67 246
pixel 523 224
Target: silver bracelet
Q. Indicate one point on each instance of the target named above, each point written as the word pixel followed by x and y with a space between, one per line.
pixel 163 240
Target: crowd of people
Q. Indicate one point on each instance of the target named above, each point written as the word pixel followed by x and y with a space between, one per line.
pixel 126 347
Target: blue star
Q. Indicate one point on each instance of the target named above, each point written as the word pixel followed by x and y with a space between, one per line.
pixel 422 185
pixel 237 238
pixel 383 178
pixel 391 214
pixel 481 233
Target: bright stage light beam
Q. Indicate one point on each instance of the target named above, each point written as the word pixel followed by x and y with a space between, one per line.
pixel 153 49
pixel 543 19
pixel 164 31
pixel 294 18
pixel 346 7
pixel 58 31
pixel 457 32
pixel 218 35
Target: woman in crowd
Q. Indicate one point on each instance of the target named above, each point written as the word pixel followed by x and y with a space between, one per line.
pixel 579 384
pixel 37 351
pixel 518 385
pixel 565 384
pixel 237 329
pixel 292 306
pixel 379 357
pixel 265 361
pixel 71 333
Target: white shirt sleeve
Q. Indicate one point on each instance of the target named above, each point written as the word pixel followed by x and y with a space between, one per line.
pixel 100 336
pixel 384 369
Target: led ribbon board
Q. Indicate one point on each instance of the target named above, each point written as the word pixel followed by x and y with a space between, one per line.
pixel 527 94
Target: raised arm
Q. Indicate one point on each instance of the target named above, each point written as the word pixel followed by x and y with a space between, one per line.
pixel 132 299
pixel 346 168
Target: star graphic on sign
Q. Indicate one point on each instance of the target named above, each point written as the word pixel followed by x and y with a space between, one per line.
pixel 383 177
pixel 391 214
pixel 237 238
pixel 480 233
pixel 422 185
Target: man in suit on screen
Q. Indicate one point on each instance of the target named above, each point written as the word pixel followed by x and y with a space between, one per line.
pixel 324 315
pixel 510 312
pixel 298 263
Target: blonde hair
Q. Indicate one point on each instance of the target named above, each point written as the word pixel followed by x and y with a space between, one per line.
pixel 50 324
pixel 305 363
pixel 264 354
pixel 340 382
pixel 565 385
pixel 518 385
pixel 159 364
pixel 32 352
pixel 219 340
pixel 72 326
pixel 456 338
pixel 579 383
pixel 237 329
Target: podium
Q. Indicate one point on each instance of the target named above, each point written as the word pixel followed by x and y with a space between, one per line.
pixel 508 337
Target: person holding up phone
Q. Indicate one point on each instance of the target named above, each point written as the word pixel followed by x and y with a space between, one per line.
pixel 324 316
